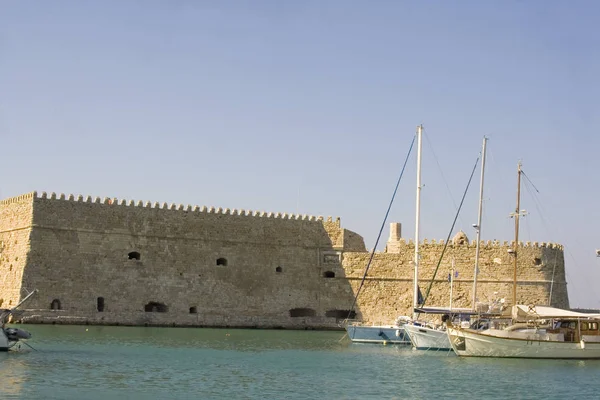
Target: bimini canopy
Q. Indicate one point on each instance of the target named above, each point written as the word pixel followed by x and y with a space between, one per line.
pixel 523 312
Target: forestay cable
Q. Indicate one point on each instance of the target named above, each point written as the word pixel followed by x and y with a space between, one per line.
pixel 362 282
pixel 450 233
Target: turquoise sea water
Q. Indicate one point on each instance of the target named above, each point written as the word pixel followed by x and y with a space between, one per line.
pixel 88 362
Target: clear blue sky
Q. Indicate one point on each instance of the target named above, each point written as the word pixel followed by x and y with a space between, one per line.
pixel 310 106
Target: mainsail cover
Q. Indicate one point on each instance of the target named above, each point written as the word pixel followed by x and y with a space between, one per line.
pixel 524 312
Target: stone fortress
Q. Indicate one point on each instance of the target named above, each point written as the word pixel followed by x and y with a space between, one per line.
pixel 123 262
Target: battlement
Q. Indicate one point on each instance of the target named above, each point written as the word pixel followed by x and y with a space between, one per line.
pixel 18 199
pixel 484 243
pixel 115 202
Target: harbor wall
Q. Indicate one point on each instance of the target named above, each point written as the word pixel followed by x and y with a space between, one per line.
pixel 388 288
pixel 15 230
pixel 110 261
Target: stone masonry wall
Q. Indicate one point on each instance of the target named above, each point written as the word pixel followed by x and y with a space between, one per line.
pixel 388 290
pixel 15 230
pixel 272 264
pixel 160 264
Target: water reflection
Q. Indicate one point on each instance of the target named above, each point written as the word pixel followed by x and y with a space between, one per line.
pixel 13 373
pixel 197 338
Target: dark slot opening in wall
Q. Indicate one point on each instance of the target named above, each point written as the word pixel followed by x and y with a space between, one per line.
pixel 278 269
pixel 154 306
pixel 193 310
pixel 302 312
pixel 328 274
pixel 222 261
pixel 134 255
pixel 537 261
pixel 100 304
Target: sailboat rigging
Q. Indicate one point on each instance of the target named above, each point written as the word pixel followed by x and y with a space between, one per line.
pixel 534 331
pixel 394 334
pixel 478 226
pixel 516 215
pixel 426 336
pixel 417 222
pixel 449 234
pixel 10 337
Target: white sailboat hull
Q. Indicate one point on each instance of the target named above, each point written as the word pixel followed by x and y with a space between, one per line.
pixel 377 334
pixel 425 338
pixel 470 343
pixel 5 343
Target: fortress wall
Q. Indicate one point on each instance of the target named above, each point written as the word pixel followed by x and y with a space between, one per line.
pixel 192 222
pixel 353 242
pixel 388 290
pixel 77 250
pixel 80 253
pixel 15 230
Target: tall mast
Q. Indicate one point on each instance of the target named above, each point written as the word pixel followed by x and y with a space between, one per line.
pixel 418 214
pixel 451 282
pixel 516 246
pixel 479 224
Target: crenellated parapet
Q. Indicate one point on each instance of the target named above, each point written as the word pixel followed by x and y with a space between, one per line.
pixel 397 244
pixel 18 199
pixel 483 244
pixel 115 202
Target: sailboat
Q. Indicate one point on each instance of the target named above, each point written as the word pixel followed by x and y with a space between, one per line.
pixel 427 336
pixel 382 334
pixel 394 333
pixel 533 331
pixel 9 337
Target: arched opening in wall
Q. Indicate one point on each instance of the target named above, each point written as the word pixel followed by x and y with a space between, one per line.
pixel 278 269
pixel 193 310
pixel 537 261
pixel 222 261
pixel 340 314
pixel 134 255
pixel 155 306
pixel 328 274
pixel 55 305
pixel 302 312
pixel 100 304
